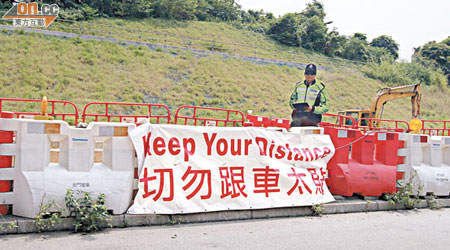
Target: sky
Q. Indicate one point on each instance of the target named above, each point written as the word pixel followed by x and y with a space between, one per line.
pixel 411 23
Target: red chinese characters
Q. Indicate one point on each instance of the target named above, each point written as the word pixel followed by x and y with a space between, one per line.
pixel 266 180
pixel 318 180
pixel 204 174
pixel 233 182
pixel 198 182
pixel 146 179
pixel 298 177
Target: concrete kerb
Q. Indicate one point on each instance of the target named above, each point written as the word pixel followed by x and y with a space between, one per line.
pixel 25 225
pixel 211 216
pixel 281 212
pixel 135 220
pixel 443 202
pixel 8 225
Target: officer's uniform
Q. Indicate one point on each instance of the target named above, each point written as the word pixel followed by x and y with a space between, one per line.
pixel 315 95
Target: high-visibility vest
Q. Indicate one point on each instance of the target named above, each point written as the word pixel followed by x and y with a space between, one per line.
pixel 307 93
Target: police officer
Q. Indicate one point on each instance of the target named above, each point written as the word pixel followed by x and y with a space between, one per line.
pixel 309 100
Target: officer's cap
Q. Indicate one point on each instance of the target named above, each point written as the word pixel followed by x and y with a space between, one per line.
pixel 310 69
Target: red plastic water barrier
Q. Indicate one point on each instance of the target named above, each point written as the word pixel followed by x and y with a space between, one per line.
pixel 397 128
pixel 18 114
pixel 280 123
pixel 264 121
pixel 257 121
pixel 108 116
pixel 230 116
pixel 5 160
pixel 340 121
pixel 370 169
pixel 444 130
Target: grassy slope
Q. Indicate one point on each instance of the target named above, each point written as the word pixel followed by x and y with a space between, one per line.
pixel 175 32
pixel 85 71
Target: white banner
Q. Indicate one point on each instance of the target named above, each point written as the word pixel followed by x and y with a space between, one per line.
pixel 188 169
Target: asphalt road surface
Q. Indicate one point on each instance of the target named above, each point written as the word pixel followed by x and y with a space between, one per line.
pixel 416 229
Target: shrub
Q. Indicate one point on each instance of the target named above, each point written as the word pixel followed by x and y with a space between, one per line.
pixel 285 30
pixel 48 218
pixel 89 214
pixel 405 194
pixel 404 73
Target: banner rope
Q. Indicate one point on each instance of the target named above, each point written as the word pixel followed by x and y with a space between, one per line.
pixel 346 145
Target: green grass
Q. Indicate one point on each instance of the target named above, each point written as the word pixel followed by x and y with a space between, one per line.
pixel 85 71
pixel 215 36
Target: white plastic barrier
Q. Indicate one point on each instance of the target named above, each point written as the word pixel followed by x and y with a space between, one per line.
pixel 307 130
pixel 430 158
pixel 51 157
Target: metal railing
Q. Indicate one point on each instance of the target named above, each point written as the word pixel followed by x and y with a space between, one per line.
pixel 341 121
pixel 14 105
pixel 158 112
pixel 396 124
pixel 206 116
pixel 444 129
pixel 195 115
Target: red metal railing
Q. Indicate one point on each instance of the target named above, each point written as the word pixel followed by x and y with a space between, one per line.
pixel 51 113
pixel 442 131
pixel 396 122
pixel 108 116
pixel 341 121
pixel 238 116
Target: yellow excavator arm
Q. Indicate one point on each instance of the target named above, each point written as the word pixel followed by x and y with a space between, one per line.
pixel 387 94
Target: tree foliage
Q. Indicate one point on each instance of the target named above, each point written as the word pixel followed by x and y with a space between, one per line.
pixel 335 44
pixel 436 55
pixel 386 42
pixel 285 30
pixel 314 9
pixel 204 10
pixel 312 33
pixel 307 29
pixel 356 48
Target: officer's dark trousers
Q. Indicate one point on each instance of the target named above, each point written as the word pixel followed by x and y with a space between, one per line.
pixel 301 119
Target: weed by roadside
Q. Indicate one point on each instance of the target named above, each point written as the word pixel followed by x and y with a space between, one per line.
pixel 433 203
pixel 8 227
pixel 405 194
pixel 89 214
pixel 49 216
pixel 317 209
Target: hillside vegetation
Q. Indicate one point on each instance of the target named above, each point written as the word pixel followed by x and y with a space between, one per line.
pixel 86 71
pixel 297 34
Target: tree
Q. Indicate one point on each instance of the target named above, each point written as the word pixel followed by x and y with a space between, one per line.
pixel 315 8
pixel 356 48
pixel 175 9
pixel 378 55
pixel 223 10
pixel 387 42
pixel 5 5
pixel 285 28
pixel 436 55
pixel 312 34
pixel 335 44
pixel 360 36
